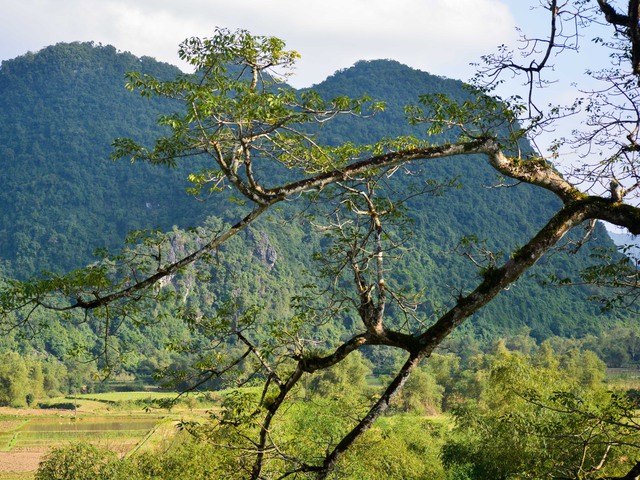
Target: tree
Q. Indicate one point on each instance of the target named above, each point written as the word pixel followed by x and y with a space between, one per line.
pixel 256 140
pixel 536 419
pixel 421 394
pixel 14 380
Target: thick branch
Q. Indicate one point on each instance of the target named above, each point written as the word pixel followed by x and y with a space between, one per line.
pixel 611 15
pixel 272 409
pixel 495 280
pixel 173 267
pixel 536 172
pixel 312 364
pixel 320 181
pixel 629 27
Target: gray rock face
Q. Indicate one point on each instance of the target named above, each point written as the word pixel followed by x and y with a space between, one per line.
pixel 264 251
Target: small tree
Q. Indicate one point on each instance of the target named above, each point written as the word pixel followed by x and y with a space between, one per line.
pixel 14 380
pixel 421 394
pixel 80 461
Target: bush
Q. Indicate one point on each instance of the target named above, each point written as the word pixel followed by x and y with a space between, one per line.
pixel 78 461
pixel 58 406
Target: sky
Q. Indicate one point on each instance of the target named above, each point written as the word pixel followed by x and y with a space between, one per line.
pixel 438 36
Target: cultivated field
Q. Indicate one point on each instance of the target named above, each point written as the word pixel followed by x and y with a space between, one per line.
pixel 121 421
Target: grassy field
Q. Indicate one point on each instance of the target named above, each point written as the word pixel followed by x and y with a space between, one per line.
pixel 625 377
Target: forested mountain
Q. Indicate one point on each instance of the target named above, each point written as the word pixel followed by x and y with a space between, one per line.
pixel 61 197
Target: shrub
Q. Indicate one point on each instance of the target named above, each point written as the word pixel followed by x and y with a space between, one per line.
pixel 78 461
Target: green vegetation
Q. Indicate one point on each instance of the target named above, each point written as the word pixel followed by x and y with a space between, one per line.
pixel 78 201
pixel 365 290
pixel 24 380
pixel 530 411
pixel 77 462
pixel 536 415
pixel 59 112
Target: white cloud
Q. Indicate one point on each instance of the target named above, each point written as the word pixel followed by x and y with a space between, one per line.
pixel 440 36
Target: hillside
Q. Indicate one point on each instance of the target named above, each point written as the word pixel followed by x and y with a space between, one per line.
pixel 503 217
pixel 61 197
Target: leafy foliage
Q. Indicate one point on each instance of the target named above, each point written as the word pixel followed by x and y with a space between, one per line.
pixel 80 461
pixel 536 418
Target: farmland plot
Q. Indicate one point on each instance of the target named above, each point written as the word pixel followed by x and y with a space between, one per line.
pixel 24 440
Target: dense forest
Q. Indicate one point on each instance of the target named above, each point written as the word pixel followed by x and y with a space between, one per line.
pixel 62 198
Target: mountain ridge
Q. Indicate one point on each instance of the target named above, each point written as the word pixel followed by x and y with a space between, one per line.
pixel 61 197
